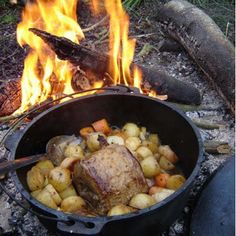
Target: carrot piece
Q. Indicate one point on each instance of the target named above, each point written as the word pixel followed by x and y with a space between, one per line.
pixel 161 179
pixel 101 126
pixel 84 132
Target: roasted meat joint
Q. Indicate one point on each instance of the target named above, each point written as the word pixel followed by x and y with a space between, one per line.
pixel 98 135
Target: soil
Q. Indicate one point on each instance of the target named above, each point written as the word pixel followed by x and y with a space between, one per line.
pixel 16 221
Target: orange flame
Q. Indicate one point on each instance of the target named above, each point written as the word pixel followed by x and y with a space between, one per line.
pixel 59 17
pixel 121 46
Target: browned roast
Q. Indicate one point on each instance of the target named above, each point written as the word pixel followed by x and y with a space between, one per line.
pixel 109 177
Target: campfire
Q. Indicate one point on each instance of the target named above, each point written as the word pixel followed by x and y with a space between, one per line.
pixel 45 76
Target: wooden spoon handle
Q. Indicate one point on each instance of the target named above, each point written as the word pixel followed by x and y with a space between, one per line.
pixel 8 166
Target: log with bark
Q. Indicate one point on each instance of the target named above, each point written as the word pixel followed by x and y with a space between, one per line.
pixel 10 97
pixel 88 59
pixel 204 42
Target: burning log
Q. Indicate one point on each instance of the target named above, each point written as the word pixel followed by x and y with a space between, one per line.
pixel 92 60
pixel 204 42
pixel 10 97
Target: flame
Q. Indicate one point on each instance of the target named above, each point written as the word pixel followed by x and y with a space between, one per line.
pixel 57 17
pixel 121 47
pixel 42 68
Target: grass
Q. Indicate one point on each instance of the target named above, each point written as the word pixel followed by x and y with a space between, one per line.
pixel 221 11
pixel 130 5
pixel 8 13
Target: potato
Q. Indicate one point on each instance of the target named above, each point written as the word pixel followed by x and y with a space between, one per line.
pixel 143 132
pixel 175 182
pixel 69 162
pixel 131 130
pixel 166 164
pixel 45 166
pixel 120 210
pixel 141 201
pixel 45 182
pixel 55 196
pixel 74 150
pixel 152 146
pixel 59 178
pixel 154 139
pixel 167 152
pixel 150 167
pixel 35 179
pixel 157 156
pixel 143 152
pixel 56 146
pixel 115 140
pixel 45 198
pixel 132 143
pixel 92 141
pixel 72 204
pixel 68 192
pixel 162 194
pixel 35 193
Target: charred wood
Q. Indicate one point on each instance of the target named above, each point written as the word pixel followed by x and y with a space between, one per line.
pixel 204 42
pixel 87 59
pixel 10 97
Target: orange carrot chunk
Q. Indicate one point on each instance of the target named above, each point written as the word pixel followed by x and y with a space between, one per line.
pixel 101 126
pixel 161 179
pixel 84 132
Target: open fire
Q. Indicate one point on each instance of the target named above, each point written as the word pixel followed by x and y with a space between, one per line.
pixel 42 67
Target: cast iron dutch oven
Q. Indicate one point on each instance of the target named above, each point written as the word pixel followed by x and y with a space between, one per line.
pixel 173 127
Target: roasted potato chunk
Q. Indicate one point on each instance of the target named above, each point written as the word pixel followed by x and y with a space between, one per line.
pixel 150 167
pixel 92 141
pixel 54 194
pixel 175 182
pixel 74 150
pixel 45 166
pixel 162 194
pixel 72 204
pixel 154 138
pixel 132 143
pixel 152 146
pixel 165 164
pixel 131 130
pixel 35 179
pixel 60 178
pixel 143 152
pixel 120 210
pixel 68 192
pixel 168 153
pixel 141 201
pixel 45 198
pixel 115 139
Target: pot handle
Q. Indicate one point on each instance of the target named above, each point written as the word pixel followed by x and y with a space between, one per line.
pixel 81 227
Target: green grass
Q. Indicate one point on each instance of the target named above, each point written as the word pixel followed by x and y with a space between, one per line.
pixel 221 11
pixel 131 4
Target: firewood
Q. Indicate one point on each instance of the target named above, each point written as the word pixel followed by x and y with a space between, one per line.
pixel 10 97
pixel 217 147
pixel 88 59
pixel 204 42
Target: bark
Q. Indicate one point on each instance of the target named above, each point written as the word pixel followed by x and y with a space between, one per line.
pixel 204 42
pixel 10 97
pixel 87 59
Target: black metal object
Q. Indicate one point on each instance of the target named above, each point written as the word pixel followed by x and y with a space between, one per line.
pixel 173 127
pixel 215 210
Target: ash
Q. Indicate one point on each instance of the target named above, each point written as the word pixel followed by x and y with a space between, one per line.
pixel 16 221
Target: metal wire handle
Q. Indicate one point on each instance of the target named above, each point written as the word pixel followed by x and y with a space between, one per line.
pixel 119 88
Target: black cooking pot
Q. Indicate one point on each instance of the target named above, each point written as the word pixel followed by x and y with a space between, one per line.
pixel 173 127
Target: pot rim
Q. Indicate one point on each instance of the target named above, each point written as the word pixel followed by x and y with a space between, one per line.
pixel 62 215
